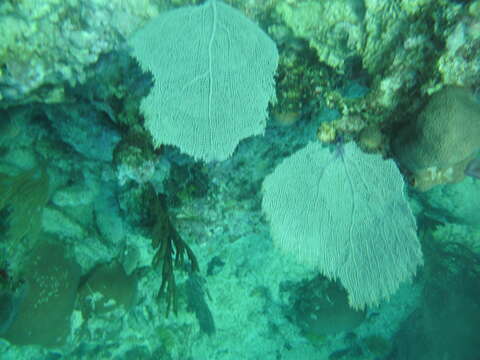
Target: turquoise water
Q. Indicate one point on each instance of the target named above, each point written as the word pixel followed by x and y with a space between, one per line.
pixel 277 179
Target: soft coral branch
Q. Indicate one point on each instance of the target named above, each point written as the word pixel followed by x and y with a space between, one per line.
pixel 171 251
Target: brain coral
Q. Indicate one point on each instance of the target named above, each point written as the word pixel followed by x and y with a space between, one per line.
pixel 445 137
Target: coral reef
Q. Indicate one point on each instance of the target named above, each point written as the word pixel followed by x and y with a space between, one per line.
pixel 134 158
pixel 445 137
pixel 24 195
pixel 195 293
pixel 334 28
pixel 473 168
pixel 465 236
pixel 459 63
pixel 70 93
pixel 319 307
pixel 46 46
pixel 52 279
pixel 449 311
pixel 85 128
pixel 105 288
pixel 389 46
pixel 453 203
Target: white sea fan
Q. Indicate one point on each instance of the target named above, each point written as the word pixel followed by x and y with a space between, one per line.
pixel 344 213
pixel 213 74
